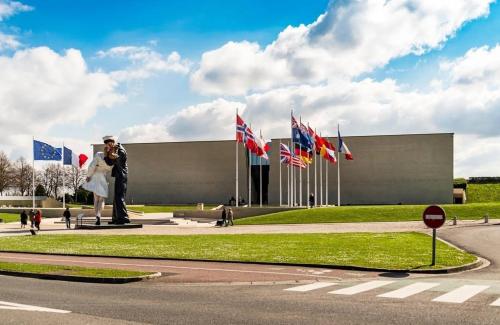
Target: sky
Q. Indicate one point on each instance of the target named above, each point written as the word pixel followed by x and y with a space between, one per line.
pixel 154 70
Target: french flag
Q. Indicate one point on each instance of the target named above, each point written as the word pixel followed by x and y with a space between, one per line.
pixel 344 149
pixel 72 159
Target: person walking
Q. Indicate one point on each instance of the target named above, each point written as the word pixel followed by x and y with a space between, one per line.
pixel 38 219
pixel 24 219
pixel 67 217
pixel 230 216
pixel 32 217
pixel 224 217
pixel 311 200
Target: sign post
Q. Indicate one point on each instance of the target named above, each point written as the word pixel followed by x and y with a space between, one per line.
pixel 434 217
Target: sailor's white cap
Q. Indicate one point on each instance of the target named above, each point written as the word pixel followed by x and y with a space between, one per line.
pixel 109 137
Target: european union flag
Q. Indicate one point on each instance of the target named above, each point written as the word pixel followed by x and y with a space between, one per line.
pixel 43 151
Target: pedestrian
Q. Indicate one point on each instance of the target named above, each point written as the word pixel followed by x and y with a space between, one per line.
pixel 67 216
pixel 32 217
pixel 24 219
pixel 38 219
pixel 230 216
pixel 224 217
pixel 311 200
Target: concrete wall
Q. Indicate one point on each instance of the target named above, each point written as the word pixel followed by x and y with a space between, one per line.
pixel 407 169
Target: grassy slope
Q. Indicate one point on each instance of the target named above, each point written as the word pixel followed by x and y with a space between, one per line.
pixel 370 214
pixel 483 193
pixel 388 250
pixel 68 270
pixel 10 217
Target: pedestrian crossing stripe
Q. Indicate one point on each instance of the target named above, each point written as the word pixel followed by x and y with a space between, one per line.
pixel 14 306
pixel 461 294
pixel 361 287
pixel 496 303
pixel 409 290
pixel 312 286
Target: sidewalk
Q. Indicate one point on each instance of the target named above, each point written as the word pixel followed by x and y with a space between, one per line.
pixel 50 227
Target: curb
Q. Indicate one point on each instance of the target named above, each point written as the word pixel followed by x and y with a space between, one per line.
pixel 81 278
pixel 456 269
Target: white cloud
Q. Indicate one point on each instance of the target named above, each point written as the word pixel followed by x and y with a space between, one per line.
pixel 10 8
pixel 144 62
pixel 351 38
pixel 214 120
pixel 8 42
pixel 40 88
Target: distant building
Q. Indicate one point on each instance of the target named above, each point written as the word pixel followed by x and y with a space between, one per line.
pixel 27 202
pixel 387 169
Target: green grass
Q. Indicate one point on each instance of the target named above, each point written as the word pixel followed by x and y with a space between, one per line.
pixel 68 270
pixel 386 213
pixel 10 217
pixel 483 193
pixel 387 250
pixel 164 208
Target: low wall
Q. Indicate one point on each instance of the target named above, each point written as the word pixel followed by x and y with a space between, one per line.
pixel 58 212
pixel 238 212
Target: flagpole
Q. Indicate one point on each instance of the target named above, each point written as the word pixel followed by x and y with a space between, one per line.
pixel 237 176
pixel 316 178
pixel 321 180
pixel 292 150
pixel 326 170
pixel 308 184
pixel 33 184
pixel 260 173
pixel 300 171
pixel 288 185
pixel 279 161
pixel 338 165
pixel 63 179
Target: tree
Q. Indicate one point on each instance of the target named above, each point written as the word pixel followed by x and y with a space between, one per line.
pixel 5 172
pixel 23 177
pixel 75 177
pixel 51 177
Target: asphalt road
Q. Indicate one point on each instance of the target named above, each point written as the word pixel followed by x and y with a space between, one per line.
pixel 338 298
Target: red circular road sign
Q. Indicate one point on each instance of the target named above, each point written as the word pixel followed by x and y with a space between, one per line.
pixel 434 216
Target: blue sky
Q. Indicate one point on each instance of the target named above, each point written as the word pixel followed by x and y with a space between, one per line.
pixel 175 70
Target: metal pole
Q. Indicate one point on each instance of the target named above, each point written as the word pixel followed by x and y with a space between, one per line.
pixel 316 178
pixel 260 174
pixel 63 176
pixel 237 176
pixel 33 172
pixel 288 185
pixel 433 247
pixel 279 162
pixel 321 182
pixel 338 166
pixel 326 166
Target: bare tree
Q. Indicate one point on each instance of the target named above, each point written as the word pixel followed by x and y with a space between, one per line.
pixel 51 178
pixel 5 172
pixel 22 175
pixel 75 177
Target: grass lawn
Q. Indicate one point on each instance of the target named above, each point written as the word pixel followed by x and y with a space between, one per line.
pixel 10 217
pixel 371 214
pixel 164 208
pixel 483 193
pixel 68 270
pixel 387 250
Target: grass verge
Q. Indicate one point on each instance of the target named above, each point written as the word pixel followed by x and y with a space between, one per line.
pixel 483 193
pixel 68 270
pixel 386 213
pixel 10 217
pixel 388 250
pixel 164 208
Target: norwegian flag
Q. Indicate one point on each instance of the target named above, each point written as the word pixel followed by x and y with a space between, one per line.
pixel 245 135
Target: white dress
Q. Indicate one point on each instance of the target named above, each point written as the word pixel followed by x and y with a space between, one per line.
pixel 97 172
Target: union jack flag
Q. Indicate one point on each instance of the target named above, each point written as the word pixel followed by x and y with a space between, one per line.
pixel 286 157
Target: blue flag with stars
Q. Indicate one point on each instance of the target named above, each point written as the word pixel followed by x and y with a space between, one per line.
pixel 43 151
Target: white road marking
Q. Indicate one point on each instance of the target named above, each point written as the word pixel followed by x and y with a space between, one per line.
pixel 434 217
pixel 168 267
pixel 312 286
pixel 496 302
pixel 361 287
pixel 14 306
pixel 461 294
pixel 409 290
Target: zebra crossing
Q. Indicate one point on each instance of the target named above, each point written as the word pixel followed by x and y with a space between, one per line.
pixel 456 295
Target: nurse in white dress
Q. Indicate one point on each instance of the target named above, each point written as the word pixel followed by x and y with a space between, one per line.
pixel 97 183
